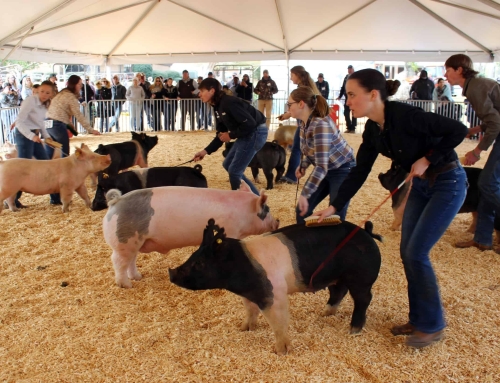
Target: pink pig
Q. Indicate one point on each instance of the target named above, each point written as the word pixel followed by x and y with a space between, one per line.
pixel 172 217
pixel 64 176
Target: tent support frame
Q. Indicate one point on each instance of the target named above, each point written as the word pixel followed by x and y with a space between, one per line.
pixel 467 9
pixel 18 44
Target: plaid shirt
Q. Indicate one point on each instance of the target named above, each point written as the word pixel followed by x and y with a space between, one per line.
pixel 324 147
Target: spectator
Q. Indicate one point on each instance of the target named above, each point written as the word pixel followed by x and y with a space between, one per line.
pixel 171 94
pixel 118 95
pixel 104 107
pixel 323 86
pixel 484 96
pixel 53 80
pixel 157 94
pixel 244 89
pixel 1 83
pixel 87 94
pixel 146 85
pixel 13 82
pixel 350 124
pixel 135 96
pixel 423 87
pixel 442 94
pixel 188 94
pixel 230 83
pixel 226 90
pixel 27 89
pixel 265 89
pixel 210 75
pixel 236 82
pixel 8 99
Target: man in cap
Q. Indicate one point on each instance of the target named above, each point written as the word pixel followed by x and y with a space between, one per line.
pixel 265 89
pixel 423 87
pixel 323 86
pixel 210 75
pixel 350 124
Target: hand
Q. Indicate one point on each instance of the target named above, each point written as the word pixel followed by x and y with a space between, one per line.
pixel 153 96
pixel 322 214
pixel 471 158
pixel 13 125
pixel 284 116
pixel 84 103
pixel 36 139
pixel 95 132
pixel 224 137
pixel 299 173
pixel 178 98
pixel 338 98
pixel 303 205
pixel 473 131
pixel 419 167
pixel 243 83
pixel 199 156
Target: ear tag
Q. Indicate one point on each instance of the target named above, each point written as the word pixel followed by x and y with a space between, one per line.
pixel 219 241
pixel 104 175
pixel 215 232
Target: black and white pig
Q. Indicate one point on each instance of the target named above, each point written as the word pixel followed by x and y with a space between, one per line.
pixel 396 174
pixel 127 154
pixel 147 178
pixel 271 156
pixel 265 269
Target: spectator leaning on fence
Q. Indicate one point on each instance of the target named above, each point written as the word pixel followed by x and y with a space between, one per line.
pixel 244 89
pixel 27 89
pixel 135 96
pixel 484 96
pixel 323 86
pixel 265 89
pixel 118 94
pixel 188 93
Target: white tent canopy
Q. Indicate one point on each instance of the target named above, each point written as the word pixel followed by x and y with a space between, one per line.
pixel 158 31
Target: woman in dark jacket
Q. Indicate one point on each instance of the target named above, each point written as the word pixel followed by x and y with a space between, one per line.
pixel 245 89
pixel 104 108
pixel 171 95
pixel 238 120
pixel 423 144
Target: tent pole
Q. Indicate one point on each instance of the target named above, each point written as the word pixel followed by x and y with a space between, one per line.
pixel 91 17
pixel 467 9
pixel 18 44
pixel 452 27
pixel 491 4
pixel 36 21
pixel 143 16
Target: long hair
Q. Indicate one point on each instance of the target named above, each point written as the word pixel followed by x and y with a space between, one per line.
pixel 315 102
pixel 212 83
pixel 464 62
pixel 72 82
pixel 371 79
pixel 305 78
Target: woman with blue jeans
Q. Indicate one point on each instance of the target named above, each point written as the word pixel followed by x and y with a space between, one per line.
pixel 236 119
pixel 61 111
pixel 29 124
pixel 423 144
pixel 322 146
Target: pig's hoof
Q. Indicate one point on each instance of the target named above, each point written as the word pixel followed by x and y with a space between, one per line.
pixel 283 348
pixel 124 284
pixel 356 330
pixel 136 276
pixel 329 310
pixel 246 326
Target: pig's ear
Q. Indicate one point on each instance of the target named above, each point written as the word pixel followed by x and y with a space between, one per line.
pixel 78 152
pixel 208 233
pixel 244 187
pixel 262 208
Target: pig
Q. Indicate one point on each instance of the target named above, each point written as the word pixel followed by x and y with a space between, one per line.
pixel 127 154
pixel 9 150
pixel 64 176
pixel 284 135
pixel 147 178
pixel 270 156
pixel 263 270
pixel 171 217
pixel 396 174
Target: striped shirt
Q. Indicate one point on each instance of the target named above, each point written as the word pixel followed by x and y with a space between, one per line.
pixel 64 106
pixel 324 147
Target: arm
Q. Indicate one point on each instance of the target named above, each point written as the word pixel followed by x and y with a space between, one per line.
pixel 74 107
pixel 256 90
pixel 195 86
pixel 342 90
pixel 129 92
pixel 274 87
pixel 435 95
pixel 246 122
pixel 216 143
pixel 447 93
pixel 22 121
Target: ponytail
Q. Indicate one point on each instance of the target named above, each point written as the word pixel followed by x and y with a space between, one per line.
pixel 315 102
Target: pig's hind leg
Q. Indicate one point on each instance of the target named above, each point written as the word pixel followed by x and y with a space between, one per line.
pixel 362 296
pixel 125 267
pixel 277 317
pixel 252 313
pixel 268 172
pixel 337 293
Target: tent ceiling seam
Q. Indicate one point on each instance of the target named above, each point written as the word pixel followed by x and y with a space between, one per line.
pixel 466 9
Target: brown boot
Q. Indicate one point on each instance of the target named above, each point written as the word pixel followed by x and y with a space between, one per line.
pixel 472 243
pixel 421 339
pixel 404 329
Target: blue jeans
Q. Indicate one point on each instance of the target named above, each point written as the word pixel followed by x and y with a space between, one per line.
pixel 329 186
pixel 27 148
pixel 59 133
pixel 428 213
pixel 294 161
pixel 240 156
pixel 489 201
pixel 116 118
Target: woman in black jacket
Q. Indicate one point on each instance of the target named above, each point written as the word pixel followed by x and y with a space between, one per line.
pixel 238 120
pixel 104 108
pixel 423 144
pixel 245 89
pixel 171 95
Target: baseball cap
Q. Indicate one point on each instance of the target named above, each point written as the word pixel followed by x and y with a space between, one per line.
pixel 210 74
pixel 53 75
pixel 350 67
pixel 320 75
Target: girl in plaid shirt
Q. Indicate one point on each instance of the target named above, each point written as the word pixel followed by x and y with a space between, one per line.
pixel 322 146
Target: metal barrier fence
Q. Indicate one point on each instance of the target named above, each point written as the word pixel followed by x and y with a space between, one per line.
pixel 172 115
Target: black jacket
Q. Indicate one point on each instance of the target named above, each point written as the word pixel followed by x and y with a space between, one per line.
pixel 171 92
pixel 323 88
pixel 245 93
pixel 342 90
pixel 118 92
pixel 424 88
pixel 235 116
pixel 409 134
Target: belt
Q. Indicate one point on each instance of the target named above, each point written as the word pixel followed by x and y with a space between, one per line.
pixel 36 131
pixel 431 174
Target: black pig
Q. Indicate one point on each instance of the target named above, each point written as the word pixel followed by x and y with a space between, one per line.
pixel 265 269
pixel 147 178
pixel 271 156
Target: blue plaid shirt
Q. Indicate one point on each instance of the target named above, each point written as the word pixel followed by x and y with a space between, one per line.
pixel 324 147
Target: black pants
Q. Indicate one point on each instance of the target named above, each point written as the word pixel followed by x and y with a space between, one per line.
pixel 351 125
pixel 188 106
